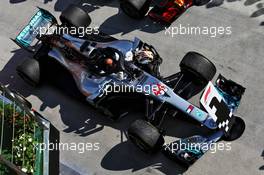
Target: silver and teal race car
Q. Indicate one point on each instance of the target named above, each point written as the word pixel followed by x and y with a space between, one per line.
pixel 112 75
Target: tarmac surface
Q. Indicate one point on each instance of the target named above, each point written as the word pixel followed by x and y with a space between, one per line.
pixel 237 55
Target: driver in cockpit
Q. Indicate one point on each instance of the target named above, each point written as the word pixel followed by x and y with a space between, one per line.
pixel 104 60
pixel 144 56
pixel 108 60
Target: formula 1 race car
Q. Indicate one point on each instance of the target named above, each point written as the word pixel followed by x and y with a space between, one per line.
pixel 164 11
pixel 103 72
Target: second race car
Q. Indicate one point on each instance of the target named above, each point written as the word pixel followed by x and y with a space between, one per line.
pixel 164 11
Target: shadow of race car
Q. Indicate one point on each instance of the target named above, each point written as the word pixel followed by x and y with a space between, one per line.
pixel 102 70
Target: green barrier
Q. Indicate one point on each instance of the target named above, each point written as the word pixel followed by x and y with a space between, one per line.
pixel 39 153
pixel 19 133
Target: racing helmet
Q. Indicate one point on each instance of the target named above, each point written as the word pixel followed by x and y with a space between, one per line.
pixel 144 56
pixel 105 59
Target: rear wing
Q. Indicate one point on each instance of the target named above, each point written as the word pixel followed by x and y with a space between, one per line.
pixel 41 20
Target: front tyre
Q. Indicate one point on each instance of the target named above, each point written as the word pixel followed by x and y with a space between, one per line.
pixel 236 131
pixel 29 71
pixel 198 65
pixel 145 136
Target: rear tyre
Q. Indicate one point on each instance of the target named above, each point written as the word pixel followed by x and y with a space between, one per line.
pixel 136 9
pixel 199 66
pixel 29 71
pixel 236 131
pixel 145 136
pixel 74 16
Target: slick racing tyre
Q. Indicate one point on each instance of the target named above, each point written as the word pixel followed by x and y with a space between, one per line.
pixel 199 66
pixel 136 9
pixel 29 71
pixel 236 131
pixel 145 136
pixel 200 2
pixel 74 16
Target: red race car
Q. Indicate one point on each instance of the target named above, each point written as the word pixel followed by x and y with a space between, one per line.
pixel 164 11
